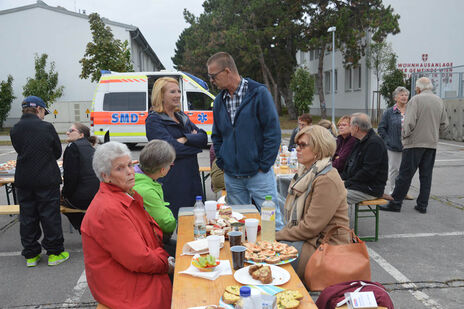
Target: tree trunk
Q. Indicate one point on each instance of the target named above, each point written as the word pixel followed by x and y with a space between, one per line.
pixel 292 113
pixel 320 87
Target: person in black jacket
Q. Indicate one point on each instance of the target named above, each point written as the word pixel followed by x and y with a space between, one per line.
pixel 80 183
pixel 366 170
pixel 37 182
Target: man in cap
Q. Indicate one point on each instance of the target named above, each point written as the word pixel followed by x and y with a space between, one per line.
pixel 37 182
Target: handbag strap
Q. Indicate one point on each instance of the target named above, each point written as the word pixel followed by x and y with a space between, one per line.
pixel 328 236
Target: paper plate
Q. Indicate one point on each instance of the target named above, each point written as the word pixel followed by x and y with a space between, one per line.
pixel 279 276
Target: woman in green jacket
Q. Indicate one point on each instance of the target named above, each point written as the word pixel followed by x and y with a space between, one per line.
pixel 156 160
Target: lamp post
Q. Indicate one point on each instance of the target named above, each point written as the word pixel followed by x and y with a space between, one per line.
pixel 332 29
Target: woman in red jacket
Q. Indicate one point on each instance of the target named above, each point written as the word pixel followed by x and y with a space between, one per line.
pixel 125 263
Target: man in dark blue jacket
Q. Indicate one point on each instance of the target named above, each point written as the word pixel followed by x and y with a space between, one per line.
pixel 37 182
pixel 246 134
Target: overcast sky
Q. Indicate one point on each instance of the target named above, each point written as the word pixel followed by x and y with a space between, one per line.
pixel 160 21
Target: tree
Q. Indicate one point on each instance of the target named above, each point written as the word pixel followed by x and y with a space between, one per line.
pixel 354 20
pixel 392 79
pixel 6 97
pixel 43 85
pixel 378 58
pixel 105 52
pixel 302 85
pixel 262 35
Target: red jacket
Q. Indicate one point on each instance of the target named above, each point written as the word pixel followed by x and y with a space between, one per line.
pixel 125 263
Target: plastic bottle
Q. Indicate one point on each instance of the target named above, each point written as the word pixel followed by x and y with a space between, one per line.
pixel 293 165
pixel 284 157
pixel 245 301
pixel 277 161
pixel 268 211
pixel 199 224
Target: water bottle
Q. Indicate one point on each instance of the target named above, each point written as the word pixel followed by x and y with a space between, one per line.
pixel 277 161
pixel 293 165
pixel 268 214
pixel 245 301
pixel 199 224
pixel 284 157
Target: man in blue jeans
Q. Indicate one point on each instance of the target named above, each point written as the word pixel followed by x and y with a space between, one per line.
pixel 246 134
pixel 425 117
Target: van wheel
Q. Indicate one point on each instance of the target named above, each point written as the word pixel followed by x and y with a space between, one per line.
pixel 131 146
pixel 106 139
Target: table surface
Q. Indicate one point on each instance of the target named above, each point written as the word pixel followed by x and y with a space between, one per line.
pixel 191 291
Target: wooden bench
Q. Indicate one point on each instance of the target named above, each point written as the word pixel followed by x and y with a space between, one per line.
pixel 372 211
pixel 14 210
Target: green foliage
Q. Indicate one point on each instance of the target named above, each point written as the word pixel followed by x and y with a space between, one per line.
pixel 6 97
pixel 43 85
pixel 302 85
pixel 105 52
pixel 391 80
pixel 379 58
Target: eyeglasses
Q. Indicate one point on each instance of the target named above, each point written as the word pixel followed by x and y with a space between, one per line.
pixel 213 76
pixel 301 145
pixel 71 130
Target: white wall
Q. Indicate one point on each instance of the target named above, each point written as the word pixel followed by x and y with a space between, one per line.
pixel 64 38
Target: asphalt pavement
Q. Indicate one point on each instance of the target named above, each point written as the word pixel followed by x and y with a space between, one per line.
pixel 418 257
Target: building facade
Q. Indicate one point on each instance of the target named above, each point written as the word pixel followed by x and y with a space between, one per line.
pixel 428 41
pixel 62 35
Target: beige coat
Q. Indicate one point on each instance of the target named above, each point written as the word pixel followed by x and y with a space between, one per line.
pixel 425 117
pixel 324 208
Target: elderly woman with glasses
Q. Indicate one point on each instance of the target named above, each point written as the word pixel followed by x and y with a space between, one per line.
pixel 156 159
pixel 167 122
pixel 345 143
pixel 390 131
pixel 79 181
pixel 316 199
pixel 125 263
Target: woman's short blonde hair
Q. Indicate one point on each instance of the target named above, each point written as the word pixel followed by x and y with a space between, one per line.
pixel 158 92
pixel 346 118
pixel 321 141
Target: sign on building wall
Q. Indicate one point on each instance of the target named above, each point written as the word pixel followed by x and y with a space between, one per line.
pixel 425 64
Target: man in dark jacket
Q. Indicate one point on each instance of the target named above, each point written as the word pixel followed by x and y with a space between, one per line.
pixel 366 170
pixel 37 182
pixel 246 134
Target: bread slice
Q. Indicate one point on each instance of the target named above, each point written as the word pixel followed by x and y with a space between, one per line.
pixel 288 303
pixel 272 260
pixel 284 257
pixel 254 268
pixel 265 275
pixel 233 289
pixel 230 298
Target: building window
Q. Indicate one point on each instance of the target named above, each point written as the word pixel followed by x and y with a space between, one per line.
pixel 302 60
pixel 311 55
pixel 327 81
pixel 353 78
pixel 348 81
pixel 357 77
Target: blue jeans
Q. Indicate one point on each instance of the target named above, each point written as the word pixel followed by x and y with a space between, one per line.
pixel 240 191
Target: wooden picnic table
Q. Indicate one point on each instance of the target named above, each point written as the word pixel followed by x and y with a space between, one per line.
pixel 189 291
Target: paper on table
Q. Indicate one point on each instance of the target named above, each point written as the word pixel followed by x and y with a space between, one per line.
pixel 222 269
pixel 199 246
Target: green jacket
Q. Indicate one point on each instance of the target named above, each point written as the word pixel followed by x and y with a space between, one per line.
pixel 153 201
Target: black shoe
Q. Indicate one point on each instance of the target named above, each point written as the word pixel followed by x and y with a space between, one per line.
pixel 422 210
pixel 390 207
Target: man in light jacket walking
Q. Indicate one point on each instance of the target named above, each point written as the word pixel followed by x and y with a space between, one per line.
pixel 425 118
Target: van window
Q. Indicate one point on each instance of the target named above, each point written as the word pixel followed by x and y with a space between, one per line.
pixel 199 101
pixel 125 101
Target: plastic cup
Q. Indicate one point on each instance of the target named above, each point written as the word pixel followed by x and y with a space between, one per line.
pixel 214 243
pixel 238 256
pixel 251 227
pixel 235 238
pixel 210 208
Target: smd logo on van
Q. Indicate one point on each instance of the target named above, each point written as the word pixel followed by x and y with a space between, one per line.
pixel 120 118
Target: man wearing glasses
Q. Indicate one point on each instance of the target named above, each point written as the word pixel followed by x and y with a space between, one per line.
pixel 246 134
pixel 37 182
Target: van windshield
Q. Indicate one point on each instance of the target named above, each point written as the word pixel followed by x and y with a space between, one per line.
pixel 125 101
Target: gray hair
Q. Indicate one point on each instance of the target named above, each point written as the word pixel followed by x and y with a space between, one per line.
pixel 362 121
pixel 398 90
pixel 156 155
pixel 424 83
pixel 104 156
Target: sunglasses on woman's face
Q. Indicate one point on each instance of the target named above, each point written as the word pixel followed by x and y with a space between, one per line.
pixel 301 145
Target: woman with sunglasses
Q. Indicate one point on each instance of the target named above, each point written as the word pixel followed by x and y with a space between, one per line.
pixel 156 160
pixel 79 181
pixel 316 199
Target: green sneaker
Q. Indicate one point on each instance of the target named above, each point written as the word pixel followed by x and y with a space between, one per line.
pixel 54 260
pixel 33 261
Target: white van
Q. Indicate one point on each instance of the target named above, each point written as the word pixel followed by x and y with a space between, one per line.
pixel 122 101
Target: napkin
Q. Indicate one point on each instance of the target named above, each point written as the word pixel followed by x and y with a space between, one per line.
pixel 199 246
pixel 222 269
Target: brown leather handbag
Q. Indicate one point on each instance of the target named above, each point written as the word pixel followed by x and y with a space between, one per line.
pixel 332 264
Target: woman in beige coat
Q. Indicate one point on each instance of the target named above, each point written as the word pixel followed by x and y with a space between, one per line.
pixel 316 198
